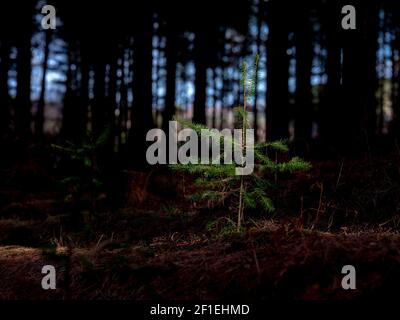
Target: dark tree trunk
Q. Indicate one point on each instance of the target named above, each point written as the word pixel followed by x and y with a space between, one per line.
pixel 99 103
pixel 395 75
pixel 171 55
pixel 142 117
pixel 223 98
pixel 215 100
pixel 4 94
pixel 76 102
pixel 396 106
pixel 358 80
pixel 67 130
pixel 277 72
pixel 110 102
pixel 370 29
pixel 304 56
pixel 200 60
pixel 39 119
pixel 260 14
pixel 330 115
pixel 83 105
pixel 23 99
pixel 123 106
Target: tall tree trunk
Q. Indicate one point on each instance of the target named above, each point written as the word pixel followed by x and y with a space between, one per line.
pixel 330 115
pixel 200 60
pixel 215 99
pixel 304 56
pixel 24 68
pixel 358 80
pixel 99 103
pixel 123 106
pixel 171 56
pixel 110 101
pixel 396 106
pixel 39 119
pixel 277 72
pixel 223 115
pixel 76 102
pixel 370 31
pixel 142 117
pixel 83 94
pixel 395 75
pixel 260 13
pixel 4 94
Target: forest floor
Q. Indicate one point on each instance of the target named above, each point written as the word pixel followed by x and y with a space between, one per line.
pixel 160 245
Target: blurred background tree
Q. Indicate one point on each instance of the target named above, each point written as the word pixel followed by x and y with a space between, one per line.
pixel 133 65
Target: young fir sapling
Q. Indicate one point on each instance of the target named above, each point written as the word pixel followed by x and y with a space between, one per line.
pixel 218 182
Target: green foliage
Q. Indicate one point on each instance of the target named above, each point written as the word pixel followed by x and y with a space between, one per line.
pixel 85 152
pixel 86 178
pixel 219 182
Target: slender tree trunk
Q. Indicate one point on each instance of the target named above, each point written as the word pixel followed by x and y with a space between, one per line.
pixel 358 80
pixel 304 56
pixel 330 115
pixel 99 103
pixel 76 102
pixel 200 47
pixel 368 76
pixel 277 72
pixel 111 101
pixel 4 94
pixel 123 116
pixel 23 99
pixel 223 100
pixel 260 13
pixel 394 76
pixel 395 84
pixel 171 55
pixel 396 106
pixel 39 121
pixel 83 94
pixel 67 130
pixel 142 117
pixel 215 99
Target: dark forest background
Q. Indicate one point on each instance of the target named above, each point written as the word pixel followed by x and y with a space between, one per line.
pixel 131 66
pixel 76 192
